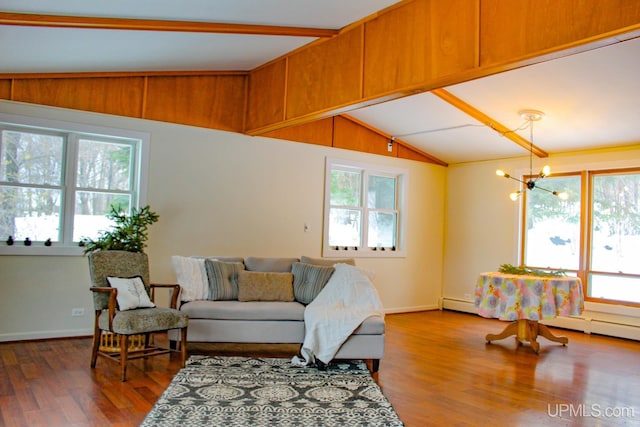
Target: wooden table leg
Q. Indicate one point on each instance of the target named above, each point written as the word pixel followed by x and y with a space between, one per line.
pixel 527 331
pixel 511 329
pixel 545 332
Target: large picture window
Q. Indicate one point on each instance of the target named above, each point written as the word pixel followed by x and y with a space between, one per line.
pixel 57 185
pixel 363 210
pixel 594 234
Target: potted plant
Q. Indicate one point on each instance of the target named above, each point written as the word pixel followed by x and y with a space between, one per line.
pixel 129 232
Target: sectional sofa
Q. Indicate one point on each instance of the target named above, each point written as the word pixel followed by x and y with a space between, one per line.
pixel 263 300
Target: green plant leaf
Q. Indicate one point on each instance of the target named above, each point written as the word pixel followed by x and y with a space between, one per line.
pixel 129 233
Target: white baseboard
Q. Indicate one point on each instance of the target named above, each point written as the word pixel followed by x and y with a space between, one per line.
pixel 588 323
pixel 615 330
pixel 459 305
pixel 41 335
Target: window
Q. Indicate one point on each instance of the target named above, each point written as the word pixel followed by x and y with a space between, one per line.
pixel 614 231
pixel 552 226
pixel 57 185
pixel 363 210
pixel 595 234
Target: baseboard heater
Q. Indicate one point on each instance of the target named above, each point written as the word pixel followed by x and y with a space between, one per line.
pixel 588 325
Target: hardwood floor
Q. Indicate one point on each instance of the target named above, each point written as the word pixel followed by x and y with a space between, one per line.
pixel 437 370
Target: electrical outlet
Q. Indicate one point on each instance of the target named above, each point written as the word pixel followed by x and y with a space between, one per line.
pixel 77 312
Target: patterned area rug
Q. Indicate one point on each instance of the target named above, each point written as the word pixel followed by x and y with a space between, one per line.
pixel 240 391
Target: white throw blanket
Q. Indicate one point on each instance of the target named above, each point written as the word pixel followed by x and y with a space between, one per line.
pixel 348 298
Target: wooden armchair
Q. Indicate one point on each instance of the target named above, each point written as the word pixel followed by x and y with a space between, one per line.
pixel 129 331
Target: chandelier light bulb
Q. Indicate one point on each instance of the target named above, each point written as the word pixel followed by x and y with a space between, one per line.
pixel 530 183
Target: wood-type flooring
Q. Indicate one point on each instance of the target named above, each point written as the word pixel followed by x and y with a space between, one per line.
pixel 437 370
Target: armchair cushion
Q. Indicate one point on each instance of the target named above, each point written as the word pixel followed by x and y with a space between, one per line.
pixel 144 320
pixel 131 292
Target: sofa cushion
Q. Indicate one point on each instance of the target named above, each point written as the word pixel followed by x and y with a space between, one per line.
pixel 225 258
pixel 223 279
pixel 192 277
pixel 278 265
pixel 308 280
pixel 327 261
pixel 250 310
pixel 265 286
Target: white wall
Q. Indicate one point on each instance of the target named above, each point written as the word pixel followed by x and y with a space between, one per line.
pixel 482 225
pixel 220 193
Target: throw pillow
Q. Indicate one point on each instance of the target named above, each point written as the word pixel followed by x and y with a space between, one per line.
pixel 265 286
pixel 192 278
pixel 309 280
pixel 223 279
pixel 131 292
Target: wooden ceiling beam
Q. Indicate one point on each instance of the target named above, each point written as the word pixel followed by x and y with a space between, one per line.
pixel 90 22
pixel 488 121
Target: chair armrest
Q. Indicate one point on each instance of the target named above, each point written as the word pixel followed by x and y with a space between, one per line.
pixel 175 292
pixel 113 293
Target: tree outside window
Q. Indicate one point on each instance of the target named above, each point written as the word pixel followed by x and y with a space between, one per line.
pixel 363 210
pixel 58 185
pixel 597 239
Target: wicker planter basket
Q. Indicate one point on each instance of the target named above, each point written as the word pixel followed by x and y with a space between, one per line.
pixel 110 342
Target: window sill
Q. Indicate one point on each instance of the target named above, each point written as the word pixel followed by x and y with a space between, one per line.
pixel 37 249
pixel 362 253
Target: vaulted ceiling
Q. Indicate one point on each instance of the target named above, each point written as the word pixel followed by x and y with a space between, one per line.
pixel 591 99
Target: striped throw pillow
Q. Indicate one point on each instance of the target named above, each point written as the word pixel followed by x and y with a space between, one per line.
pixel 309 280
pixel 223 279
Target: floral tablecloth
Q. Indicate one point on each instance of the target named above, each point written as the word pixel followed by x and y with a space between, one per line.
pixel 512 297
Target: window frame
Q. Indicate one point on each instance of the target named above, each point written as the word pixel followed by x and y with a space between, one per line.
pixel 73 133
pixel 367 169
pixel 584 270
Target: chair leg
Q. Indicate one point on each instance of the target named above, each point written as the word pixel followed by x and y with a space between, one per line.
pixel 147 341
pixel 124 354
pixel 183 345
pixel 97 334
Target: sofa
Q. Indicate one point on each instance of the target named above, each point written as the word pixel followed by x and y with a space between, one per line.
pixel 263 300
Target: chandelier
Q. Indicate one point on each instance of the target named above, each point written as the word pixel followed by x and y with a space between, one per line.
pixel 531 183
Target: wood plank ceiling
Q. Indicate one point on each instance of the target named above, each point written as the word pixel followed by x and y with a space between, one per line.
pixel 412 52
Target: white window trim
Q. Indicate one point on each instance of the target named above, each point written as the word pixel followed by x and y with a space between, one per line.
pixel 113 133
pixel 402 191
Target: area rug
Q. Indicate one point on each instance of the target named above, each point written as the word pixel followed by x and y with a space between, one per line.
pixel 241 391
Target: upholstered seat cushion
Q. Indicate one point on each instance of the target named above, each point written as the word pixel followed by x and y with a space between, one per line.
pixel 244 310
pixel 144 320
